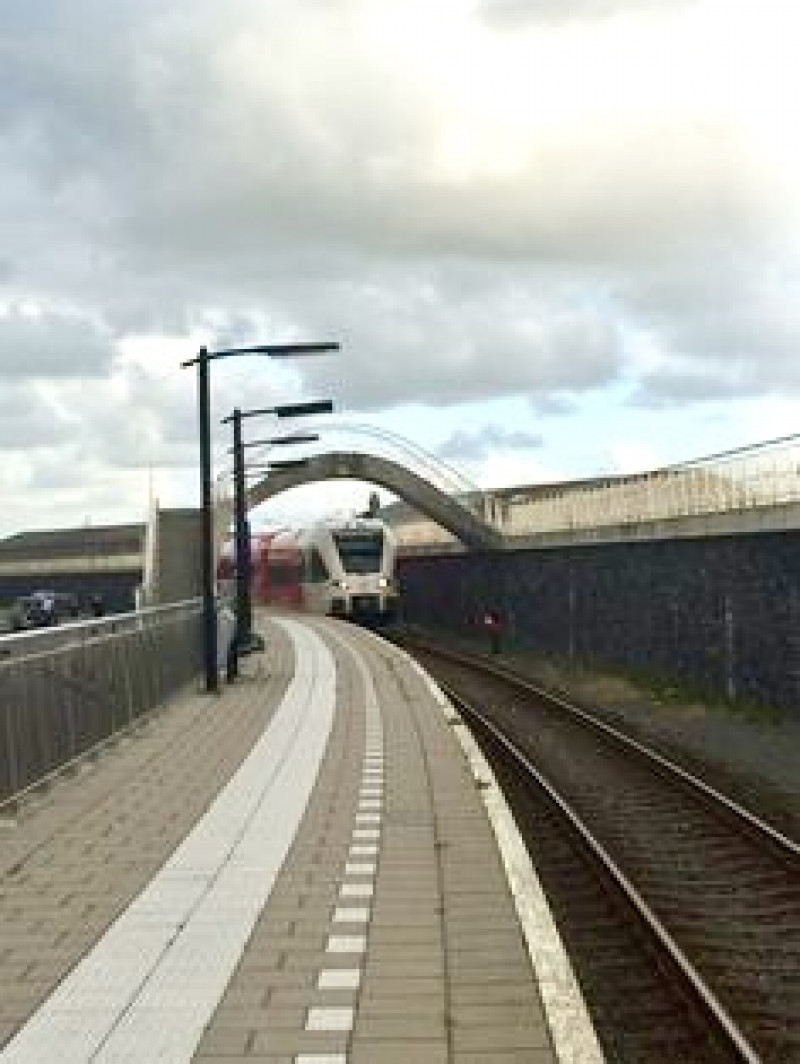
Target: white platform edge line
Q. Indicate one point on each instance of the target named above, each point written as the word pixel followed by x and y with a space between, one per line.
pixel 77 1031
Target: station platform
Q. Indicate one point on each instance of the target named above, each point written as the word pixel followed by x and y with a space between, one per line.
pixel 313 867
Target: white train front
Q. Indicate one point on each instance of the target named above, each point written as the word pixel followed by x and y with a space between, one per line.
pixel 341 568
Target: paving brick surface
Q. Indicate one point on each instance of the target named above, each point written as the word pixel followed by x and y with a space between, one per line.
pixel 443 973
pixel 82 848
pixel 390 934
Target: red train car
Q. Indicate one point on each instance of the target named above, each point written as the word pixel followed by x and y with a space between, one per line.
pixel 277 570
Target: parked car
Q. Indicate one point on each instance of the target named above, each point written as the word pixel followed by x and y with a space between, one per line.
pixel 67 605
pixel 43 608
pixel 30 611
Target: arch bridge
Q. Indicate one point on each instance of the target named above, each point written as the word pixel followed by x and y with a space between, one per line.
pixel 441 507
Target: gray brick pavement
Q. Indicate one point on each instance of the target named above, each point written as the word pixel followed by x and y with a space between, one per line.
pixel 83 847
pixel 438 971
pixel 444 974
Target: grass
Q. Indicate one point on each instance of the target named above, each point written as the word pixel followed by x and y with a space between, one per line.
pixel 624 686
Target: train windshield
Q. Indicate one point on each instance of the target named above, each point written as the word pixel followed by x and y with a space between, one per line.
pixel 361 552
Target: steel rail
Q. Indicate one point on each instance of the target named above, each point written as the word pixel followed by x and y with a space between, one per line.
pixel 722 1020
pixel 785 844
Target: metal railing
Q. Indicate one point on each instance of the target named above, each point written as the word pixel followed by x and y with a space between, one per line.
pixel 379 442
pixel 761 476
pixel 756 477
pixel 65 690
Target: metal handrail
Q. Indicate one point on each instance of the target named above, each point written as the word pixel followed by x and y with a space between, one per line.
pixel 761 476
pixel 65 690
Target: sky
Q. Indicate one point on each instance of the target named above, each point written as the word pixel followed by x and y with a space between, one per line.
pixel 553 238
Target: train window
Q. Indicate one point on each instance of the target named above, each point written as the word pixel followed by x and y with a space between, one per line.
pixel 360 553
pixel 317 573
pixel 283 573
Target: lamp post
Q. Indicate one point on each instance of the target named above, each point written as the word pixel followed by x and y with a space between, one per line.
pixel 245 639
pixel 244 631
pixel 202 360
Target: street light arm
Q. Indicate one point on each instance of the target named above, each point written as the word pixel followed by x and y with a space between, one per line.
pixel 313 406
pixel 271 350
pixel 287 463
pixel 279 441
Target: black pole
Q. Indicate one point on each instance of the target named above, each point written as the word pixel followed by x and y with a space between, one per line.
pixel 243 605
pixel 254 642
pixel 209 609
pixel 203 358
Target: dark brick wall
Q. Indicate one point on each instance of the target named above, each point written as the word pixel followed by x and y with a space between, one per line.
pixel 721 614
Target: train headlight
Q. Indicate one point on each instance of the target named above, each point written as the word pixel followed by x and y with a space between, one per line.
pixel 383 582
pixel 340 583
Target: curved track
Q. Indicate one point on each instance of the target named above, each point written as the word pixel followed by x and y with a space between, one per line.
pixel 681 909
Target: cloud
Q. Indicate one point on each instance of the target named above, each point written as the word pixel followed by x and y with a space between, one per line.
pixel 476 445
pixel 28 421
pixel 724 331
pixel 46 343
pixel 512 14
pixel 270 156
pixel 674 387
pixel 602 197
pixel 454 335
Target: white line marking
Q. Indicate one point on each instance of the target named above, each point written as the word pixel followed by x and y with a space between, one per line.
pixel 330 1018
pixel 321 1058
pixel 339 979
pixel 359 868
pixel 356 890
pixel 346 944
pixel 351 914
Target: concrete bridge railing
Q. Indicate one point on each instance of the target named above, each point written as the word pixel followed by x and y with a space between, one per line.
pixel 451 513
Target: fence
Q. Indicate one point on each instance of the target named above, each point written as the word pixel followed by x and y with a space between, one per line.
pixel 759 476
pixel 749 478
pixel 64 690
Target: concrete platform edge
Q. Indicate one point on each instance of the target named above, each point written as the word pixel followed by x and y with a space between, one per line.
pixel 572 1031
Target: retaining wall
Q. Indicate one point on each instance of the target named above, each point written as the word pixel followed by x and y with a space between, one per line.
pixel 721 614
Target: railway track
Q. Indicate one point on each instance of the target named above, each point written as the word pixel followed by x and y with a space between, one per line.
pixel 681 909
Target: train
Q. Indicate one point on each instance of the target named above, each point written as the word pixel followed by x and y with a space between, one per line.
pixel 342 568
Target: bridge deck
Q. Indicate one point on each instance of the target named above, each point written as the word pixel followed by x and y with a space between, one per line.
pixel 302 870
